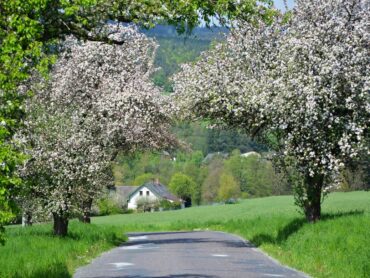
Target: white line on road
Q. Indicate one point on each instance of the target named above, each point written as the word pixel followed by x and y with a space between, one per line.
pixel 220 255
pixel 122 264
pixel 140 246
pixel 135 238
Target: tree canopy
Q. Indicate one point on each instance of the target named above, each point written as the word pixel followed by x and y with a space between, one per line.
pixel 30 31
pixel 301 80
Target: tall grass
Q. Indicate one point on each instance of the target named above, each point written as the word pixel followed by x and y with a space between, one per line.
pixel 35 252
pixel 337 246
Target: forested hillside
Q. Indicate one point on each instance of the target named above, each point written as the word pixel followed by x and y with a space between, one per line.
pixel 175 49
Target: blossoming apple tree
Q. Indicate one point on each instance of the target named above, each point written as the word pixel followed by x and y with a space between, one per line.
pixel 99 100
pixel 302 81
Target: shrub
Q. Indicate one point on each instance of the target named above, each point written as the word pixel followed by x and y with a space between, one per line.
pixel 167 205
pixel 107 206
pixel 146 204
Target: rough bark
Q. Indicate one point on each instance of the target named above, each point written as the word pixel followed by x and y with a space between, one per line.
pixel 60 224
pixel 86 215
pixel 312 208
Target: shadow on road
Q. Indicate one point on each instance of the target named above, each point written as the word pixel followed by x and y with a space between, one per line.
pixel 228 243
pixel 294 227
pixel 167 276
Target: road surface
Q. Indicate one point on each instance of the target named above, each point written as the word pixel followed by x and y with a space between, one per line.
pixel 185 254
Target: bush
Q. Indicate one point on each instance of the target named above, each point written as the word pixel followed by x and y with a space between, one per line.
pixel 108 206
pixel 146 204
pixel 231 201
pixel 167 205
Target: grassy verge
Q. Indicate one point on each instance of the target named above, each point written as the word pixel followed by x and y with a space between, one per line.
pixel 337 246
pixel 35 252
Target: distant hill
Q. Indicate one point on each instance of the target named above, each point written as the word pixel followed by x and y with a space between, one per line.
pixel 175 49
pixel 199 33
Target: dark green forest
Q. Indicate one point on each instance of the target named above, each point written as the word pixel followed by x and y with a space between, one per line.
pixel 175 49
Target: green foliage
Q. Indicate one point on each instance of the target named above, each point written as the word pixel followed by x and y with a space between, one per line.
pixel 199 137
pixel 167 205
pixel 20 50
pixel 31 29
pixel 274 225
pixel 107 206
pixel 172 52
pixel 35 252
pixel 229 188
pixel 211 183
pixel 145 204
pixel 143 178
pixel 227 140
pixel 182 186
pixel 256 175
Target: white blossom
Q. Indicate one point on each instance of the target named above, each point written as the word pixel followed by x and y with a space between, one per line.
pixel 99 100
pixel 305 80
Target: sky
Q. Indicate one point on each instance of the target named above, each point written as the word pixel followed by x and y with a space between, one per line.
pixel 280 4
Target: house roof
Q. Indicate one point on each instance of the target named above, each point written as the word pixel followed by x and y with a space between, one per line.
pixel 125 191
pixel 157 189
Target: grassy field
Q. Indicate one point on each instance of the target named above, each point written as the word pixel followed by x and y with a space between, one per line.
pixel 35 252
pixel 337 246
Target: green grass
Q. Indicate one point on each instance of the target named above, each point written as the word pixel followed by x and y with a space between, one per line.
pixel 35 252
pixel 337 246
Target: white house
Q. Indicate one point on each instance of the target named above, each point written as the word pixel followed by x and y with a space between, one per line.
pixel 152 191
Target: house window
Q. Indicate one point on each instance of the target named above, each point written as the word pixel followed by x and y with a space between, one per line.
pixel 147 193
pixel 141 193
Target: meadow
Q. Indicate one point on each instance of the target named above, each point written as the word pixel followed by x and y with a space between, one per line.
pixel 35 252
pixel 337 246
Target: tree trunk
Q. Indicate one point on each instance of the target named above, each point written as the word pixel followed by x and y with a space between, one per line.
pixel 86 206
pixel 60 224
pixel 312 208
pixel 85 218
pixel 26 219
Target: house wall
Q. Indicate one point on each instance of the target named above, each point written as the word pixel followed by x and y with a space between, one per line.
pixel 133 200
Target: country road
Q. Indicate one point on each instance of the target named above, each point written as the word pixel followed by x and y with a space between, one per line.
pixel 184 254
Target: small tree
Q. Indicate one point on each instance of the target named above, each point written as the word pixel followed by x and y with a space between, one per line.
pixel 229 187
pixel 183 186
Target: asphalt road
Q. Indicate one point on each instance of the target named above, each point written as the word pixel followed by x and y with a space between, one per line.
pixel 185 254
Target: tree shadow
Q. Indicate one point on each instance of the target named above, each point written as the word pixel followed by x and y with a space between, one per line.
pixel 206 240
pixel 294 226
pixel 166 276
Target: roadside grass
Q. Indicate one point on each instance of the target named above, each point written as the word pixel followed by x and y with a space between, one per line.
pixel 35 252
pixel 337 246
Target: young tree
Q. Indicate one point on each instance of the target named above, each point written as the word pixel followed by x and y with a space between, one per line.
pixel 211 182
pixel 183 186
pixel 302 80
pixel 229 187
